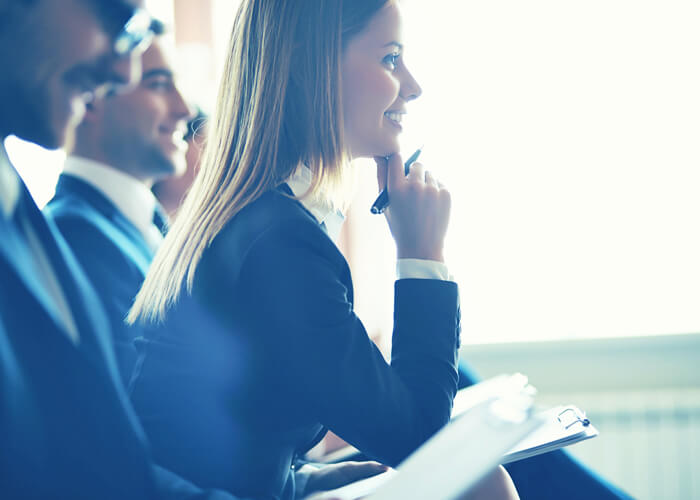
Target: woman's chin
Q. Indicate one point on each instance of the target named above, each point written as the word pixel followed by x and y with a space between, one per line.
pixel 386 148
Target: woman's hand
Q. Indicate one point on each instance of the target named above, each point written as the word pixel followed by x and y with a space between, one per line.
pixel 419 209
pixel 332 476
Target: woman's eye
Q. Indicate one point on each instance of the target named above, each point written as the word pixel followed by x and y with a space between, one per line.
pixel 391 60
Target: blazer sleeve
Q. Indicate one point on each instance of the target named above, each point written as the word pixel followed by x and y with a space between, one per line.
pixel 298 286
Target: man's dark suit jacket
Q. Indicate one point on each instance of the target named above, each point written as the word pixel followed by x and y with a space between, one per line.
pixel 113 253
pixel 68 430
pixel 246 371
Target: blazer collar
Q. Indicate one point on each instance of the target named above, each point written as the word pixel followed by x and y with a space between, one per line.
pixel 86 309
pixel 104 212
pixel 13 246
pixel 131 196
pixel 322 210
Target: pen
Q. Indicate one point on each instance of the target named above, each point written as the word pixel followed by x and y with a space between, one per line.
pixel 382 200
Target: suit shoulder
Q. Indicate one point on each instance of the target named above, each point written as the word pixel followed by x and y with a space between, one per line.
pixel 77 219
pixel 67 206
pixel 274 213
pixel 97 239
pixel 77 216
pixel 276 221
pixel 273 207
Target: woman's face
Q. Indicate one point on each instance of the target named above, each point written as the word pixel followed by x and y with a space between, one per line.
pixel 376 86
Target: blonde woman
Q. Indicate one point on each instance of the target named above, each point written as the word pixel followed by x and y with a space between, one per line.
pixel 255 349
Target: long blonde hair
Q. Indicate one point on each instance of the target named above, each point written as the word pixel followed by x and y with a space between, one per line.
pixel 279 105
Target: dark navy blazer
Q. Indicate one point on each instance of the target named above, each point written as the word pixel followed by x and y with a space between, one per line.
pixel 246 372
pixel 113 253
pixel 68 430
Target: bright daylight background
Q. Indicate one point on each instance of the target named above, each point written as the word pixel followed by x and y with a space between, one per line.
pixel 568 133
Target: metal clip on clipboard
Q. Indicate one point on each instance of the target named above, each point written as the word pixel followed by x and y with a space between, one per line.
pixel 572 417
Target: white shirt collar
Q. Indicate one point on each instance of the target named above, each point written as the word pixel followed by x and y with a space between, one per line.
pixel 131 196
pixel 10 184
pixel 321 209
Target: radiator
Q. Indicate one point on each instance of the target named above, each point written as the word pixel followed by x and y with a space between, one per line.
pixel 649 441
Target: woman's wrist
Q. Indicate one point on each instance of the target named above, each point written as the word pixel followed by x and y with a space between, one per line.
pixel 422 254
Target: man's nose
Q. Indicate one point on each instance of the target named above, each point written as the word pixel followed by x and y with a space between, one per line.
pixel 180 108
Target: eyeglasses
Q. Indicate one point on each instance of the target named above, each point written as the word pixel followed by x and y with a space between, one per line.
pixel 137 33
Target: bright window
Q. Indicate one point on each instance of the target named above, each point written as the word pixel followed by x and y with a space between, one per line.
pixel 568 134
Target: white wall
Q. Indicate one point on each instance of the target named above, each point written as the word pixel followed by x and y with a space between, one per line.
pixel 642 393
pixel 568 134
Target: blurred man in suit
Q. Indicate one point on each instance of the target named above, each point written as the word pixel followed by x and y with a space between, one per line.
pixel 68 428
pixel 103 205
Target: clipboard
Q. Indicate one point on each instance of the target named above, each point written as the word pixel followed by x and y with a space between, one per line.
pixel 563 426
pixel 454 460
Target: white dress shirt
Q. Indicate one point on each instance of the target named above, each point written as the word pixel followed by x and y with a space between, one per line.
pixel 9 184
pixel 10 188
pixel 131 196
pixel 333 219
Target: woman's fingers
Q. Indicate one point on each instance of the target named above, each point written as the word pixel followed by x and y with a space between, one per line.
pixel 421 175
pixel 332 476
pixel 419 212
pixel 417 173
pixel 430 180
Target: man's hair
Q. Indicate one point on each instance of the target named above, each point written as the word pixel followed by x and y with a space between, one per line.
pixel 279 105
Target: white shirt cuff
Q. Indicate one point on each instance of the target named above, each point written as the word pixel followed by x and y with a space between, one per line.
pixel 422 269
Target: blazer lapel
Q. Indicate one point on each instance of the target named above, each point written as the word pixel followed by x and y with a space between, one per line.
pixel 87 312
pixel 16 252
pixel 141 253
